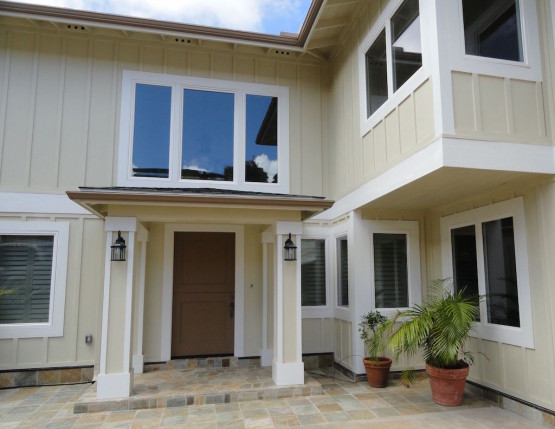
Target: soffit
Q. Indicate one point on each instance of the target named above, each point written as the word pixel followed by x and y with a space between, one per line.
pixel 321 32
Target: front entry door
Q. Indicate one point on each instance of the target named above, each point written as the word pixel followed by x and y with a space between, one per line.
pixel 203 294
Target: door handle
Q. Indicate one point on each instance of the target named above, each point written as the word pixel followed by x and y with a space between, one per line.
pixel 231 307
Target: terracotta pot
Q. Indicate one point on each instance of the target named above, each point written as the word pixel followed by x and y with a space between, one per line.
pixel 448 384
pixel 377 372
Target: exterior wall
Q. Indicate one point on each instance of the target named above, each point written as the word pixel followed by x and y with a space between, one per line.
pixel 82 302
pixel 497 108
pixel 343 343
pixel 527 374
pixel 353 159
pixel 318 335
pixel 61 91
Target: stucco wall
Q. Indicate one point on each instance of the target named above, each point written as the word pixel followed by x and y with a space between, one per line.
pixel 60 100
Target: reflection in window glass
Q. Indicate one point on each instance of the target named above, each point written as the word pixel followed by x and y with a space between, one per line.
pixel 26 271
pixel 151 134
pixel 492 29
pixel 343 273
pixel 405 37
pixel 313 273
pixel 500 270
pixel 261 160
pixel 391 271
pixel 207 135
pixel 376 75
pixel 465 266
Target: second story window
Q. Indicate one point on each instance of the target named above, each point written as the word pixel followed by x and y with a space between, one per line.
pixel 492 29
pixel 393 56
pixel 179 131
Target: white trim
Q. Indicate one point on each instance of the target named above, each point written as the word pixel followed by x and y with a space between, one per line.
pixel 128 302
pixel 266 354
pixel 55 325
pixel 284 374
pixel 22 202
pixel 529 69
pixel 138 358
pixel 278 300
pixel 524 335
pixel 178 84
pixel 298 312
pixel 266 357
pixel 111 386
pixel 447 152
pixel 167 286
pixel 105 304
pixel 394 98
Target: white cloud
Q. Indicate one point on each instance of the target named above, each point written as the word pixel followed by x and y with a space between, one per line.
pixel 246 15
pixel 270 166
pixel 194 167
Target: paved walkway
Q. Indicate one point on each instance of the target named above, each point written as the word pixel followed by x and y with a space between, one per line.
pixel 343 405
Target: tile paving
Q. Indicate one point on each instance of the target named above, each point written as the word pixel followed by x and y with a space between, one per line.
pixel 342 404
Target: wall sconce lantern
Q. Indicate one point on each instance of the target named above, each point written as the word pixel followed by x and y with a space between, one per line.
pixel 118 249
pixel 289 250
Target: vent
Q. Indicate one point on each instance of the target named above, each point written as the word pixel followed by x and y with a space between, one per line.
pixel 184 41
pixel 76 27
pixel 278 52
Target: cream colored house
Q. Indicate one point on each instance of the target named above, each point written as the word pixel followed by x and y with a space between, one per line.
pixel 396 141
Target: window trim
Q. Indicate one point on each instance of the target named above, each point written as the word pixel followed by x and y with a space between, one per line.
pixel 522 336
pixel 411 230
pixel 55 325
pixel 528 69
pixel 393 98
pixel 319 311
pixel 178 84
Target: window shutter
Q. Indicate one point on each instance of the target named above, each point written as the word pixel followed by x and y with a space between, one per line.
pixel 26 271
pixel 390 270
pixel 313 273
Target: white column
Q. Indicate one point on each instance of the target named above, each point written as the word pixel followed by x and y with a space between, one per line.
pixel 138 357
pixel 115 379
pixel 266 353
pixel 287 366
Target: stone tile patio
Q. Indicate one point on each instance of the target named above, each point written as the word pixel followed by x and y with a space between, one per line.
pixel 341 404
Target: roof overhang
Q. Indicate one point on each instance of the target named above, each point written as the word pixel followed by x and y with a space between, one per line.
pixel 99 200
pixel 126 23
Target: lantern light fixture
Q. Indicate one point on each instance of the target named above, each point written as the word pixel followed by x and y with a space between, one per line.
pixel 118 249
pixel 289 250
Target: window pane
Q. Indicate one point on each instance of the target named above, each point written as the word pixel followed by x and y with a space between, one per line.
pixel 151 133
pixel 405 36
pixel 465 265
pixel 376 75
pixel 261 160
pixel 492 29
pixel 207 135
pixel 343 273
pixel 500 267
pixel 26 271
pixel 313 272
pixel 390 270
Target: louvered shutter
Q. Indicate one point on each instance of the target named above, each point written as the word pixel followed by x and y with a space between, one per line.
pixel 390 270
pixel 313 273
pixel 26 271
pixel 343 272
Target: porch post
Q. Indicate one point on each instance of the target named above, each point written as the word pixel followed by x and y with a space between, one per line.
pixel 115 378
pixel 287 366
pixel 267 351
pixel 138 358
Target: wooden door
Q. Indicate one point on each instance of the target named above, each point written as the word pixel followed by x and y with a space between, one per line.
pixel 203 294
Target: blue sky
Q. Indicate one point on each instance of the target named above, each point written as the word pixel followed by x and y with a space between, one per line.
pixel 265 16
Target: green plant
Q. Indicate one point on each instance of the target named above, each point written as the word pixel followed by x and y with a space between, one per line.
pixel 371 332
pixel 439 328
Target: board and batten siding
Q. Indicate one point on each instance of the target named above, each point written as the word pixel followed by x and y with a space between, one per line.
pixel 408 127
pixel 82 302
pixel 498 108
pixel 60 101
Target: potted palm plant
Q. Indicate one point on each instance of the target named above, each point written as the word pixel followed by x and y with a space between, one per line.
pixel 371 332
pixel 439 328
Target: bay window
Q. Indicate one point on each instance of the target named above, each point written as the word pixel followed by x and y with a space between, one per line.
pixel 178 131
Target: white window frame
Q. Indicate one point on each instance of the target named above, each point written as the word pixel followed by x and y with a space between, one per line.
pixel 522 336
pixel 55 325
pixel 316 232
pixel 528 69
pixel 178 85
pixel 411 230
pixel 393 98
